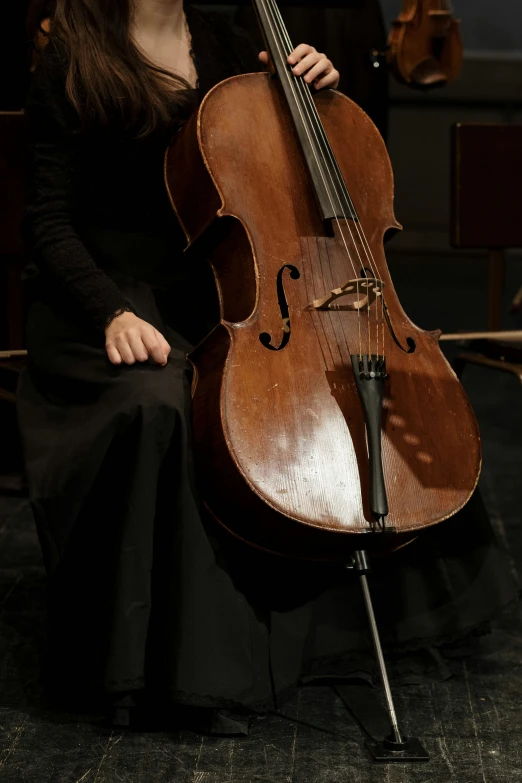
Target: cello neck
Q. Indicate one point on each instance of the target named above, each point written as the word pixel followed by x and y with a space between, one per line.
pixel 330 189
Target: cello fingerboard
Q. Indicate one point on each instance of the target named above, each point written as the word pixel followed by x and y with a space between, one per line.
pixel 332 195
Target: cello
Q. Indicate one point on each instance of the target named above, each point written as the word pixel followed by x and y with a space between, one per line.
pixel 326 423
pixel 425 44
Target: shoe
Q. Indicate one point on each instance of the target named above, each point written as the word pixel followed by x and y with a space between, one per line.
pixel 123 710
pixel 121 717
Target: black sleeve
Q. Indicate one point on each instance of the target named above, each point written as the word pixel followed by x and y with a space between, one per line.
pixel 51 198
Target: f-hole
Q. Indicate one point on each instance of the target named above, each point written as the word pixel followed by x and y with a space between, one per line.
pixel 265 338
pixel 410 342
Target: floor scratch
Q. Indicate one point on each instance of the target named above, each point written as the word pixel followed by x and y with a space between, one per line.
pixel 497 716
pixel 446 754
pixel 473 720
pixel 85 775
pixel 105 754
pixel 197 774
pixel 14 743
pixel 230 759
pixel 294 743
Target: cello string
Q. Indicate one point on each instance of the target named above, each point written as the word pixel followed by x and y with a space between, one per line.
pixel 279 42
pixel 359 229
pixel 293 84
pixel 319 131
pixel 335 317
pixel 323 142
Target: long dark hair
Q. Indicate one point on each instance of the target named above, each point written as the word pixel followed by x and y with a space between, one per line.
pixel 108 76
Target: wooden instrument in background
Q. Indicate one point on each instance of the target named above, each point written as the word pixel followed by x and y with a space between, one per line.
pixel 425 45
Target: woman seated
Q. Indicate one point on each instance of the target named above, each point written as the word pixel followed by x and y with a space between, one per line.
pixel 149 604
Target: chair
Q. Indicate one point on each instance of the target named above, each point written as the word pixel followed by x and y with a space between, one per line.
pixel 486 207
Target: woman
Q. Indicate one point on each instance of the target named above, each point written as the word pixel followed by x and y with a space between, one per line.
pixel 148 602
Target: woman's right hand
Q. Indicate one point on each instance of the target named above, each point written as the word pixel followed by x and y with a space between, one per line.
pixel 130 340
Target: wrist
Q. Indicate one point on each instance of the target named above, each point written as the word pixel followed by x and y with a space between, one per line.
pixel 117 314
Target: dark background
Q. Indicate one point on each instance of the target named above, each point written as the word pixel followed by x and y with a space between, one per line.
pixel 13 54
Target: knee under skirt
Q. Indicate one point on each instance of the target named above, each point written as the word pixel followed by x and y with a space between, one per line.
pixel 146 592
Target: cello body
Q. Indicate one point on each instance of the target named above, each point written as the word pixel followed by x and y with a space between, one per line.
pixel 280 436
pixel 425 44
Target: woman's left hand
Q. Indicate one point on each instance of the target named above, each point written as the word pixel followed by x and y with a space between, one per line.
pixel 315 67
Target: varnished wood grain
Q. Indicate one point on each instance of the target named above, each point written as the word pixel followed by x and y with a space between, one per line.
pixel 289 423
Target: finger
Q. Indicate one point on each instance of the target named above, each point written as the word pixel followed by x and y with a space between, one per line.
pixel 154 348
pixel 323 68
pixel 165 346
pixel 113 353
pixel 263 56
pixel 308 62
pixel 137 346
pixel 125 350
pixel 299 52
pixel 330 80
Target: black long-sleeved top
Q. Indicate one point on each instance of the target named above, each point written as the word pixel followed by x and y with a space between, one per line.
pixel 97 199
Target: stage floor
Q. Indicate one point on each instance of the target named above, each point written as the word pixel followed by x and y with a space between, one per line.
pixel 471 724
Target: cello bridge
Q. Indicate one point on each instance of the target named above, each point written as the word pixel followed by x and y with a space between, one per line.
pixel 363 291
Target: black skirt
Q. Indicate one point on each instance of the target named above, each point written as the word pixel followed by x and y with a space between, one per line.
pixel 146 592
